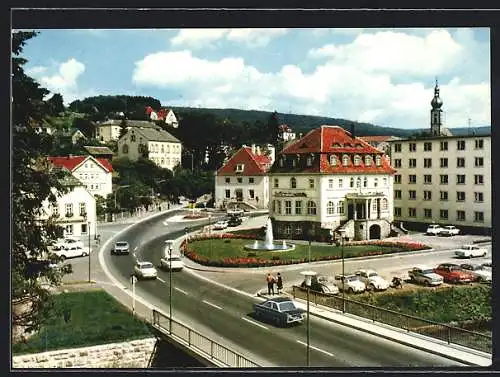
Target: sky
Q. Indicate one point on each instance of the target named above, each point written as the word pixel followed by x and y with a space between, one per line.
pixel 380 76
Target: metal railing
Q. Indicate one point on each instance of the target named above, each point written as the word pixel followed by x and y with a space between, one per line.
pixel 447 333
pixel 194 340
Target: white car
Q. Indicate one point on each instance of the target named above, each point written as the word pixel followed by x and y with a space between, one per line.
pixel 372 280
pixel 66 242
pixel 174 262
pixel 72 251
pixel 145 270
pixel 469 251
pixel 352 283
pixel 480 272
pixel 449 230
pixel 434 229
pixel 219 225
pixel 425 275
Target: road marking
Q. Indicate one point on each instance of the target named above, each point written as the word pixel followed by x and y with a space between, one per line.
pixel 135 249
pixel 160 279
pixel 165 223
pixel 180 290
pixel 209 303
pixel 315 348
pixel 255 323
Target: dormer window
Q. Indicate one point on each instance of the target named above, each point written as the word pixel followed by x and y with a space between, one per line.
pixel 378 160
pixel 333 160
pixel 345 160
pixel 357 160
pixel 347 145
pixel 368 160
pixel 239 168
pixel 336 145
pixel 309 161
pixel 358 146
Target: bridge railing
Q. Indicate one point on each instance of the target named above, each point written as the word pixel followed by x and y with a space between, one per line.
pixel 447 333
pixel 193 339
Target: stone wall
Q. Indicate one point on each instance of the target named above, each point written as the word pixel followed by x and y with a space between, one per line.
pixel 133 354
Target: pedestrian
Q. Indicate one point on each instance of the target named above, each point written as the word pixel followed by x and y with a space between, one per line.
pixel 270 284
pixel 98 239
pixel 279 283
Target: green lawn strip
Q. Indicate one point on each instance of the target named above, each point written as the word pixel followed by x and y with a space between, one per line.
pixel 94 318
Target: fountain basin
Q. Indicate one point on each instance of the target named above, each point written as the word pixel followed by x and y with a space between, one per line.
pixel 267 246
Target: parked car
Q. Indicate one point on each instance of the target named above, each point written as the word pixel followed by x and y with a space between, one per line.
pixel 173 262
pixel 281 311
pixel 220 225
pixel 452 273
pixel 234 221
pixel 480 272
pixel 322 284
pixel 434 229
pixel 145 270
pixel 449 230
pixel 372 280
pixel 66 242
pixel 488 265
pixel 121 247
pixel 352 283
pixel 425 275
pixel 72 251
pixel 469 251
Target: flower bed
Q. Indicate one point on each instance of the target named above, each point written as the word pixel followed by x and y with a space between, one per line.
pixel 405 246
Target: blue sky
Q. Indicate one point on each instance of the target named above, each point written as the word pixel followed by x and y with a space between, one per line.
pixel 381 76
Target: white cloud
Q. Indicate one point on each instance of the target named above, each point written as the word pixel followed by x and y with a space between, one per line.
pixel 33 71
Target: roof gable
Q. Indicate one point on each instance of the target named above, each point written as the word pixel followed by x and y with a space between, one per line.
pixel 254 164
pixel 74 162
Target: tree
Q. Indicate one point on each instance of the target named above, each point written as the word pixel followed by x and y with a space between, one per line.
pixel 272 128
pixel 32 184
pixel 123 127
pixel 56 104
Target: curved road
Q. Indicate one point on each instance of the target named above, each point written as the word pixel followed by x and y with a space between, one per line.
pixel 219 312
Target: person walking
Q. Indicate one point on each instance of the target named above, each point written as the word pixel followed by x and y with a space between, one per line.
pixel 270 284
pixel 279 283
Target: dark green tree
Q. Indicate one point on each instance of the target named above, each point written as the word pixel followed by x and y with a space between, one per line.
pixel 56 104
pixel 123 127
pixel 272 128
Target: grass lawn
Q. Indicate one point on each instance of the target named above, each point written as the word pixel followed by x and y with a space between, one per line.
pixel 92 318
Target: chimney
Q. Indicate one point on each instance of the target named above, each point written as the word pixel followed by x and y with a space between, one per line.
pixel 353 130
pixel 258 150
pixel 253 148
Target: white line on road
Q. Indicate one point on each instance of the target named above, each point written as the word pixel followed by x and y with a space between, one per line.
pixel 315 348
pixel 255 323
pixel 135 249
pixel 180 290
pixel 209 303
pixel 160 279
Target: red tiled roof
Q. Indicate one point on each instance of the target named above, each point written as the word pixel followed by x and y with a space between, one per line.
pixel 72 162
pixel 254 164
pixel 284 128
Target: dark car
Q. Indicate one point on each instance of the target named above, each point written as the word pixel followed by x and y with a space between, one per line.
pixel 281 311
pixel 234 221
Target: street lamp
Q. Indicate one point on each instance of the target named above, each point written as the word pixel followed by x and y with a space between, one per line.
pixel 310 235
pixel 308 279
pixel 342 232
pixel 170 283
pixel 116 191
pixel 88 231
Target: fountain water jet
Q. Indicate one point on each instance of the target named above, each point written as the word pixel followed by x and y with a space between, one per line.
pixel 268 244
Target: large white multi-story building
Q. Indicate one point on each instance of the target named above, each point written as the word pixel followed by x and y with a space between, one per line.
pixel 443 179
pixel 330 180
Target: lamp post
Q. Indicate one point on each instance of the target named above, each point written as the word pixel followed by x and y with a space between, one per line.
pixel 342 232
pixel 88 231
pixel 310 235
pixel 116 191
pixel 170 288
pixel 308 279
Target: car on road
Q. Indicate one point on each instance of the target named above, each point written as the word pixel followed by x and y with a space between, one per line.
pixel 173 262
pixel 121 247
pixel 425 275
pixel 66 242
pixel 488 265
pixel 469 251
pixel 433 229
pixel 372 280
pixel 449 230
pixel 281 311
pixel 453 273
pixel 234 221
pixel 72 251
pixel 220 225
pixel 352 283
pixel 145 270
pixel 480 272
pixel 323 284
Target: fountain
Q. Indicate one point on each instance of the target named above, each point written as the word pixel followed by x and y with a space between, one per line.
pixel 268 244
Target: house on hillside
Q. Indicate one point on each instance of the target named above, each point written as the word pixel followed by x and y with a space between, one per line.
pixel 94 173
pixel 285 132
pixel 71 135
pixel 380 142
pixel 242 181
pixel 44 127
pixel 99 152
pixel 156 144
pixel 109 130
pixel 165 115
pixel 330 180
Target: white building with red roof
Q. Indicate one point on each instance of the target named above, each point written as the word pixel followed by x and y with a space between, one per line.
pixel 242 181
pixel 94 173
pixel 285 132
pixel 330 180
pixel 165 115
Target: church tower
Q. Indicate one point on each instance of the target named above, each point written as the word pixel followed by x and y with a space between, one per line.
pixel 436 111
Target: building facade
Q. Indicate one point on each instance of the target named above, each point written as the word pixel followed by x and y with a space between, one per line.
pixel 109 130
pixel 243 181
pixel 327 181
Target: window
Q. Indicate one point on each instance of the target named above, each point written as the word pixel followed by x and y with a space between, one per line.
pixel 251 180
pixel 251 194
pixel 375 182
pixel 443 195
pixel 311 208
pixel 428 213
pixel 443 145
pixel 461 145
pixel 132 138
pixel 239 179
pixel 68 229
pixel 397 179
pixel 358 182
pixel 55 210
pixel 460 179
pixel 427 195
pixel 443 162
pixel 427 162
pixel 397 163
pixel 460 196
pixel 397 211
pixel 460 162
pixel 288 207
pixel 412 163
pixel 298 207
pixel 412 212
pixel 69 209
pixel 311 183
pixel 385 204
pixel 384 180
pixel 412 194
pixel 427 146
pixel 228 194
pixel 293 182
pixel 478 162
pixel 298 229
pixel 443 179
pixel 368 161
pixel 341 182
pixel 83 229
pixel 309 161
pixel 374 205
pixel 397 147
pixel 479 144
pixel 239 168
pixel 282 162
pixel 330 183
pixel 345 160
pixel 288 229
pixel 351 182
pixel 397 194
pixel 228 180
pixel 427 179
pixel 333 160
pixel 83 209
pixel 276 183
pixel 443 214
pixel 478 197
pixel 412 178
pixel 330 208
pixel 378 160
pixel 412 147
pixel 365 182
pixel 357 160
pixel 460 215
pixel 479 217
pixel 340 207
pixel 478 179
